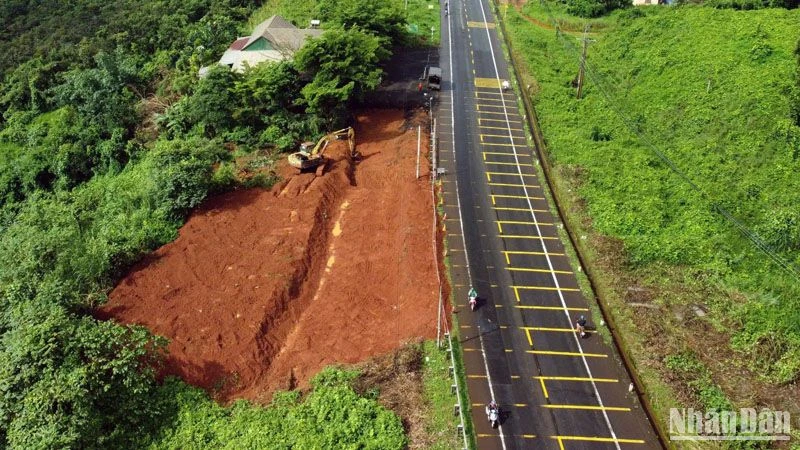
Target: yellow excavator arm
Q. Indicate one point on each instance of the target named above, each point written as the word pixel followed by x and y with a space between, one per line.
pixel 345 133
pixel 307 159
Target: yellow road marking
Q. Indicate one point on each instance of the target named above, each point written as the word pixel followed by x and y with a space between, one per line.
pixel 476 376
pixel 550 308
pixel 510 113
pixel 500 224
pixel 504 154
pixel 598 439
pixel 494 196
pixel 481 120
pixel 504 136
pixel 494 93
pixel 488 25
pixel 564 330
pixel 516 405
pixel 523 222
pixel 520 236
pixel 515 185
pixel 508 163
pixel 555 353
pixel 539 288
pixel 492 97
pixel 528 269
pixel 520 252
pixel 596 380
pixel 511 174
pixel 588 407
pixel 544 389
pixel 502 128
pixel 488 82
pixel 545 288
pixel 506 208
pixel 478 108
pixel 488 99
pixel 530 338
pixel 503 145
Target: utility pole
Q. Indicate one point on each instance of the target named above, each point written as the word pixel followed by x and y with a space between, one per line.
pixel 582 71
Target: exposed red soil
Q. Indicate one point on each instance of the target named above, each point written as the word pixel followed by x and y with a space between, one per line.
pixel 262 289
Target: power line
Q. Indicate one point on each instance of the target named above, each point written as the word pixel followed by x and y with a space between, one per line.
pixel 599 83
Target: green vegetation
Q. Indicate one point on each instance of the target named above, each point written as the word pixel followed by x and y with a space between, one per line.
pixel 437 380
pixel 697 378
pixel 422 16
pixel 332 415
pixel 403 23
pixel 108 139
pixel 716 93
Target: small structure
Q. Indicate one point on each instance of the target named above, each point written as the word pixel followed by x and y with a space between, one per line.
pixel 274 39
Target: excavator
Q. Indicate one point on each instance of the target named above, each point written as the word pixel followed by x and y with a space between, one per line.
pixel 306 159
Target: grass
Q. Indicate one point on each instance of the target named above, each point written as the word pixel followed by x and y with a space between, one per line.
pixel 299 13
pixel 713 97
pixel 422 16
pixel 461 379
pixel 437 381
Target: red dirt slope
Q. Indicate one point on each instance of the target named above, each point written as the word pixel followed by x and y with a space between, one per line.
pixel 264 288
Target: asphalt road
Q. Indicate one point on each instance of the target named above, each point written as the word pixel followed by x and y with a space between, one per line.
pixel 556 390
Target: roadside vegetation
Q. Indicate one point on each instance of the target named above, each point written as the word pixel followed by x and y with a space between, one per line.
pixel 108 139
pixel 679 165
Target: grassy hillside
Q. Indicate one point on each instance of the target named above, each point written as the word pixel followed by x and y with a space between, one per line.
pixel 713 92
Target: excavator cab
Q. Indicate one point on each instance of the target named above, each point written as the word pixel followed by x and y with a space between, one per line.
pixel 308 158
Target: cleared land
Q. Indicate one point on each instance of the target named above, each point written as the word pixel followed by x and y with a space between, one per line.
pixel 262 289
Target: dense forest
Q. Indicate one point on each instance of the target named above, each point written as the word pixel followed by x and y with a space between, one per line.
pixel 683 157
pixel 108 139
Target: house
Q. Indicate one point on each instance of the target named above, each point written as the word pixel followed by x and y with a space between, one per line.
pixel 274 39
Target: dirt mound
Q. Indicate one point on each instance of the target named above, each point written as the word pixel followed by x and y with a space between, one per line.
pixel 264 288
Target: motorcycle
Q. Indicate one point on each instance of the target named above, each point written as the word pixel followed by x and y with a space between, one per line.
pixel 580 326
pixel 494 416
pixel 473 299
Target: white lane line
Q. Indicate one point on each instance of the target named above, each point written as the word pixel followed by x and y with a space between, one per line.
pixel 458 202
pixel 542 241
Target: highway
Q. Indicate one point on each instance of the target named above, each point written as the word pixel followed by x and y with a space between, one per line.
pixel 557 390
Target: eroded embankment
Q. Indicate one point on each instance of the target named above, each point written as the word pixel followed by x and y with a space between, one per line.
pixel 264 288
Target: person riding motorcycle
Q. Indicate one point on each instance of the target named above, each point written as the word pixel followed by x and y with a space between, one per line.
pixel 580 326
pixel 473 298
pixel 493 413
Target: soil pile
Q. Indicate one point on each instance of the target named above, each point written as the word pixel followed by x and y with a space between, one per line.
pixel 264 288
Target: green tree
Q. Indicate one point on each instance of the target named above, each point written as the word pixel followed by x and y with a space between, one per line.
pixel 211 106
pixel 342 65
pixel 382 18
pixel 73 382
pixel 268 89
pixel 182 172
